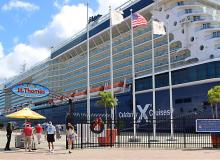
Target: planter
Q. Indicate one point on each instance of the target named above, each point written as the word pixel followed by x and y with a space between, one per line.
pixel 215 140
pixel 109 139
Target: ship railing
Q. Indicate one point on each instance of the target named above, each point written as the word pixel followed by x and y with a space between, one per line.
pixel 184 4
pixel 210 11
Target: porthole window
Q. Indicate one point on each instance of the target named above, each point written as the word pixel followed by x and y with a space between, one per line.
pixel 192 39
pixel 175 23
pixel 167 16
pixel 182 31
pixel 211 56
pixel 201 47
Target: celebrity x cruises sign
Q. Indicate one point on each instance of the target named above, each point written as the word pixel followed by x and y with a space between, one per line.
pixel 30 90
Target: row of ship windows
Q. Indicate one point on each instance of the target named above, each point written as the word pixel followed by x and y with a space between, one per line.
pixel 195 73
pixel 118 58
pixel 71 85
pixel 139 67
pixel 105 47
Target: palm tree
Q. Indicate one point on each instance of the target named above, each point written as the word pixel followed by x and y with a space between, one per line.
pixel 214 99
pixel 107 100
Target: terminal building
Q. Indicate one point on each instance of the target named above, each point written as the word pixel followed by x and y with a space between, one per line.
pixel 194 48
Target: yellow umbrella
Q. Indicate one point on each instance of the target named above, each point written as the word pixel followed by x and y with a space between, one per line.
pixel 25 113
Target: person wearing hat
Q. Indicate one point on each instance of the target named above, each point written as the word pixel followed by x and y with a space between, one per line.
pixel 71 136
pixel 50 136
pixel 38 130
pixel 28 136
pixel 8 135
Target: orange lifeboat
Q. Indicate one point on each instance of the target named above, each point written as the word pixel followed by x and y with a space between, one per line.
pixel 117 87
pixel 57 100
pixel 79 95
pixel 95 91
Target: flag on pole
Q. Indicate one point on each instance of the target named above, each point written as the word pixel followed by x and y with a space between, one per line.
pixel 158 28
pixel 94 18
pixel 138 20
pixel 117 17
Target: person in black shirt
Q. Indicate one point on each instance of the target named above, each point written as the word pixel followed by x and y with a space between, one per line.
pixel 9 132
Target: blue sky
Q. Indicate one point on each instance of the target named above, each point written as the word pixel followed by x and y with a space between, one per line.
pixel 28 28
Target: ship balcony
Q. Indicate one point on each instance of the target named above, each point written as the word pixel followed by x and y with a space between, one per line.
pixel 195 12
pixel 203 20
pixel 189 5
pixel 184 4
pixel 214 35
pixel 210 28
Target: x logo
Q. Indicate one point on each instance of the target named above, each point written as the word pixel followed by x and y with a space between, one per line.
pixel 143 113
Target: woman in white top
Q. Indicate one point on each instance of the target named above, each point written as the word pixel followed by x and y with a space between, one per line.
pixel 71 136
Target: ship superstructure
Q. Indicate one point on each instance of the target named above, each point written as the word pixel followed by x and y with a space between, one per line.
pixel 194 30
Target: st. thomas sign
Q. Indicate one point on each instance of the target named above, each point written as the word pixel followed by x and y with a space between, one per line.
pixel 30 90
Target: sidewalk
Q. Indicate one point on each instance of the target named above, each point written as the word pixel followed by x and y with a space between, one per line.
pixel 103 153
pixel 113 154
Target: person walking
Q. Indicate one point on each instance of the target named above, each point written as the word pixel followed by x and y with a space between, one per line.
pixel 8 135
pixel 50 136
pixel 28 136
pixel 71 136
pixel 58 135
pixel 38 130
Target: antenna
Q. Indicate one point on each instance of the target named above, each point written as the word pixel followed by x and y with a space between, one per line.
pixel 23 67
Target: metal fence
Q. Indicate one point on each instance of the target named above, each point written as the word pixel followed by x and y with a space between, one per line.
pixel 121 134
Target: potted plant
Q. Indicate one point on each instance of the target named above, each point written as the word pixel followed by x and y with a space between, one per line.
pixel 214 99
pixel 108 100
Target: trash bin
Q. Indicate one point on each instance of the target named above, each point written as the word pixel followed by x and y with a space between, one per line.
pixel 19 141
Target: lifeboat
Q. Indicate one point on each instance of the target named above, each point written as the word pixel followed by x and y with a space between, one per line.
pixel 117 87
pixel 96 91
pixel 79 95
pixel 51 101
pixel 57 100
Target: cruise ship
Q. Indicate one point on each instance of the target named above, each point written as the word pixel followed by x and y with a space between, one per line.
pixel 194 48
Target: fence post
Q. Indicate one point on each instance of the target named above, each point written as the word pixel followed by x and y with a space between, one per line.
pixel 184 132
pixel 118 133
pixel 111 134
pixel 81 136
pixel 148 137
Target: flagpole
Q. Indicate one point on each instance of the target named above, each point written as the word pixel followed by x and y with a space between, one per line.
pixel 88 81
pixel 170 82
pixel 133 77
pixel 153 83
pixel 111 63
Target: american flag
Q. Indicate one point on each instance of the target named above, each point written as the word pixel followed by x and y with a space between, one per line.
pixel 138 20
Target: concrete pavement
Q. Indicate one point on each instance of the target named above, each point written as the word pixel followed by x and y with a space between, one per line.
pixel 106 153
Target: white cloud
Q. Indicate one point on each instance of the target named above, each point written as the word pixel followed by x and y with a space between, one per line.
pixel 11 63
pixel 59 4
pixel 17 4
pixel 104 5
pixel 69 20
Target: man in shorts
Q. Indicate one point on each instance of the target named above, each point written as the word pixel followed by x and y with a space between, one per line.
pixel 38 130
pixel 28 135
pixel 50 136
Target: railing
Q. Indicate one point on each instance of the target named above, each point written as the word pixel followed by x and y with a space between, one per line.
pixel 120 134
